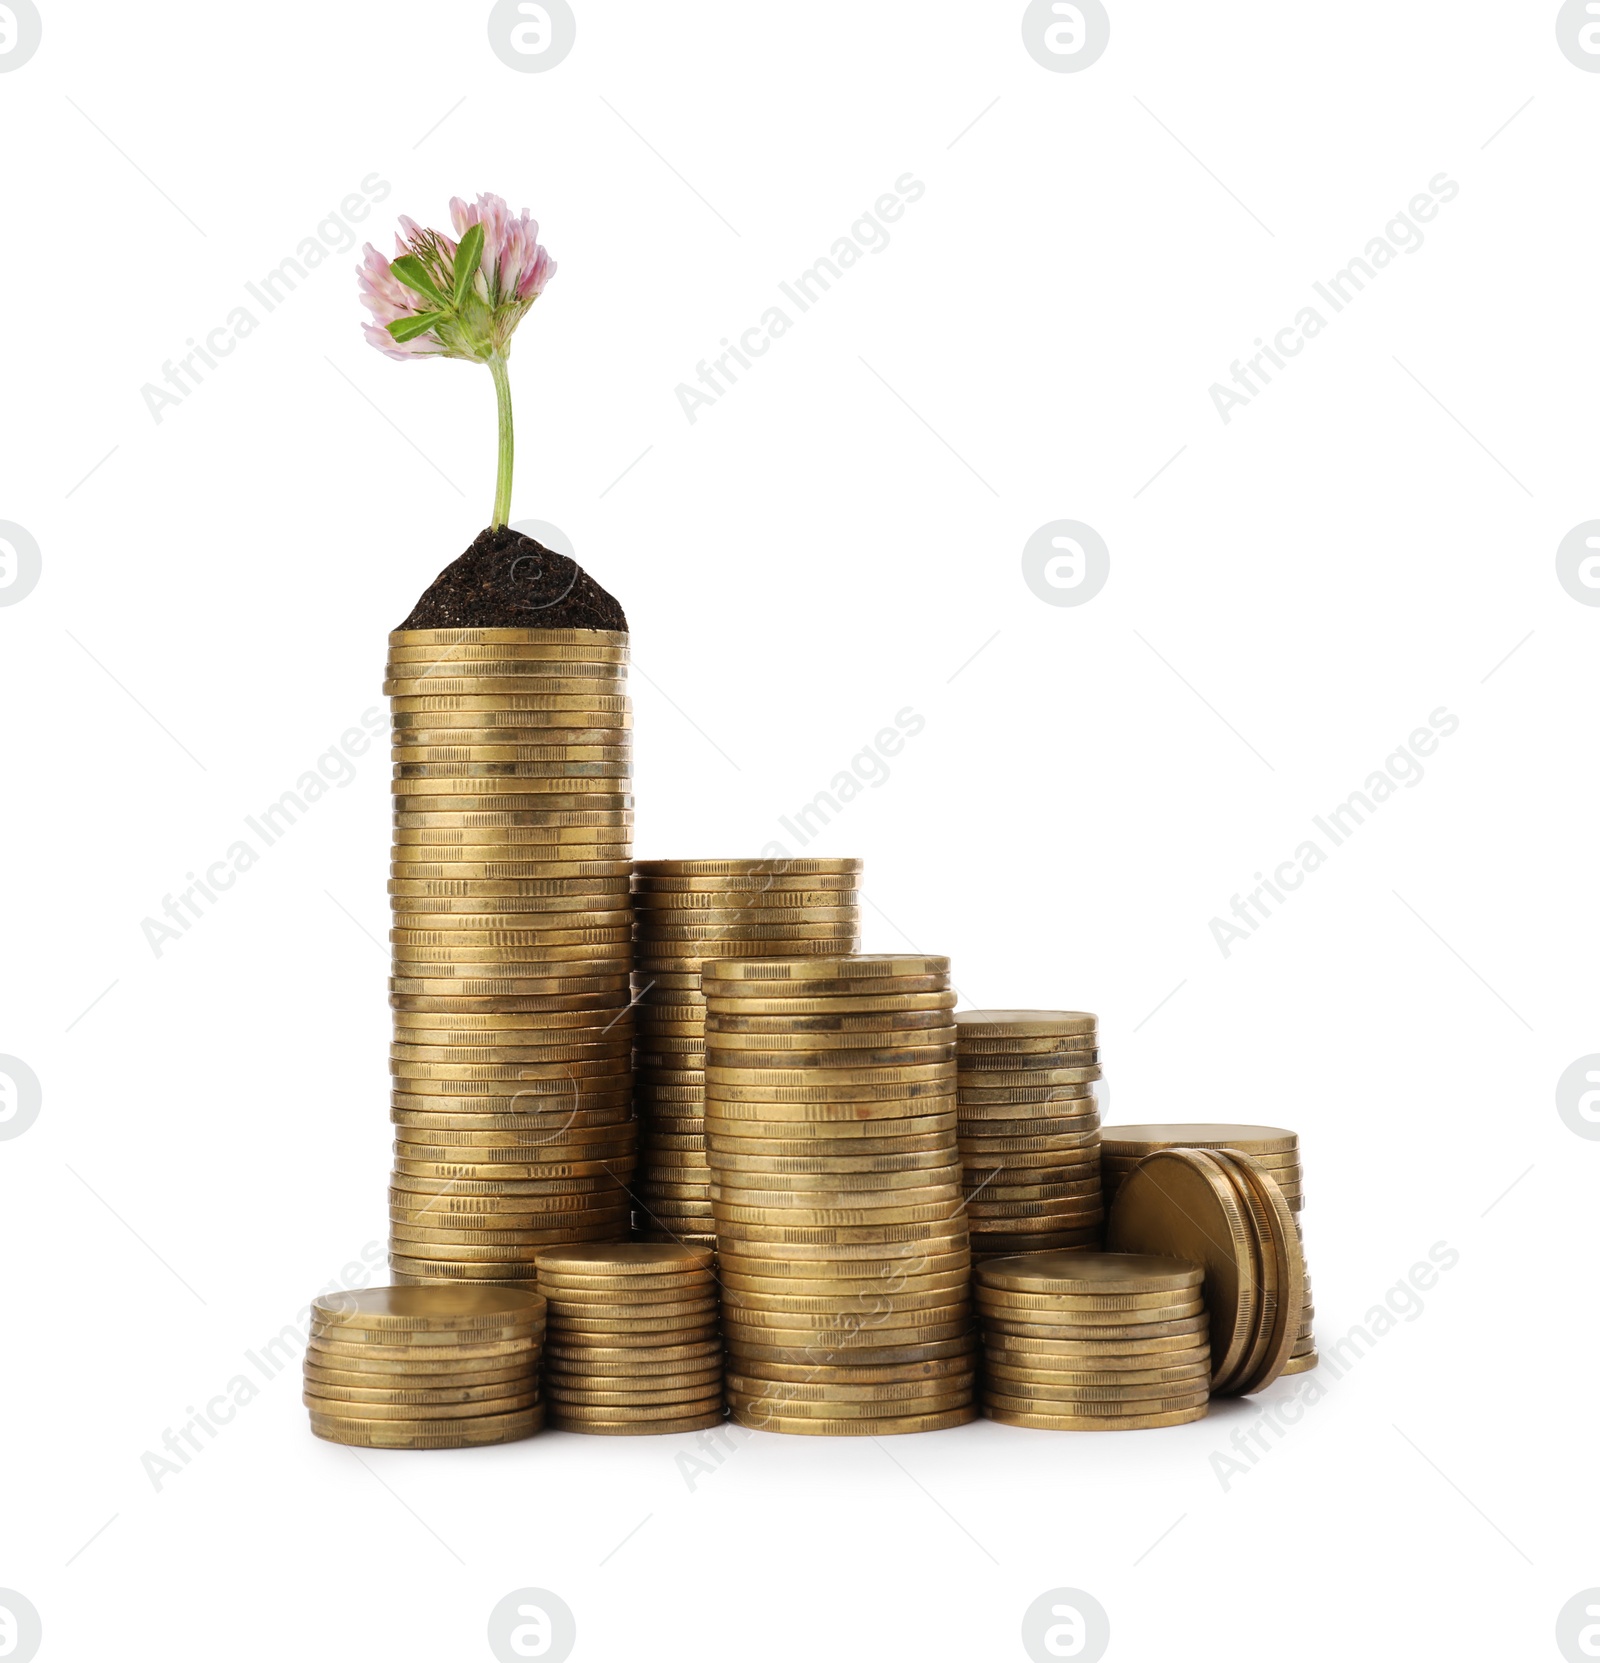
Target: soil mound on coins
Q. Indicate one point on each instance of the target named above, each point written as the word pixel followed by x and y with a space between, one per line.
pixel 508 581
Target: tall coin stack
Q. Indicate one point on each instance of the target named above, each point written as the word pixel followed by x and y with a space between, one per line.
pixel 512 946
pixel 424 1368
pixel 841 1231
pixel 688 912
pixel 633 1341
pixel 1093 1342
pixel 1029 1129
pixel 1272 1148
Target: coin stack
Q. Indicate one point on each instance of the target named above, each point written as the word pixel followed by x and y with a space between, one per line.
pixel 841 1231
pixel 1273 1148
pixel 1082 1341
pixel 1029 1129
pixel 1223 1211
pixel 690 911
pixel 512 942
pixel 633 1345
pixel 425 1367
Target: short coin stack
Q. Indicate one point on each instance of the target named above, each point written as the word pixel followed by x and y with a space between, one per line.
pixel 1081 1341
pixel 1222 1211
pixel 425 1367
pixel 1029 1129
pixel 841 1230
pixel 512 943
pixel 1273 1148
pixel 634 1345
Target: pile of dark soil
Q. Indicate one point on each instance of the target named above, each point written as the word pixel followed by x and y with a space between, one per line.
pixel 508 581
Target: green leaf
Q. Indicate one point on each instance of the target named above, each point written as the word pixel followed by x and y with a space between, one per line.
pixel 407 329
pixel 468 257
pixel 411 271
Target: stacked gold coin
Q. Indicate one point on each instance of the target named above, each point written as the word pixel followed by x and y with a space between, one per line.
pixel 634 1345
pixel 512 942
pixel 1029 1129
pixel 688 912
pixel 1273 1148
pixel 1082 1341
pixel 841 1231
pixel 425 1367
pixel 1223 1211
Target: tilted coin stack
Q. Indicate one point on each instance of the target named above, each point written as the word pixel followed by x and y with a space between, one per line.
pixel 1273 1148
pixel 1223 1211
pixel 633 1343
pixel 689 912
pixel 425 1367
pixel 1082 1341
pixel 1029 1129
pixel 512 943
pixel 841 1230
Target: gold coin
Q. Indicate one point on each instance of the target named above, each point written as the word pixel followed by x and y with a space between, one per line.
pixel 1080 1353
pixel 870 1048
pixel 778 1403
pixel 419 1415
pixel 1196 1365
pixel 426 1343
pixel 1095 1423
pixel 649 886
pixel 462 1434
pixel 1251 1140
pixel 417 1310
pixel 626 1259
pixel 1283 1272
pixel 521 651
pixel 469 1399
pixel 330 1352
pixel 735 906
pixel 1091 1274
pixel 1095 1408
pixel 759 1420
pixel 959 1363
pixel 453 1378
pixel 783 1033
pixel 738 923
pixel 786 867
pixel 1006 1024
pixel 1077 1330
pixel 571 1421
pixel 872 966
pixel 1180 1204
pixel 477 635
pixel 841 1139
pixel 681 1400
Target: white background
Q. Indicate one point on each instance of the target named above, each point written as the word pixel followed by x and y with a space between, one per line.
pixel 830 543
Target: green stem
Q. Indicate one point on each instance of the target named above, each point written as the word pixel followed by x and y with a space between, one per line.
pixel 502 484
